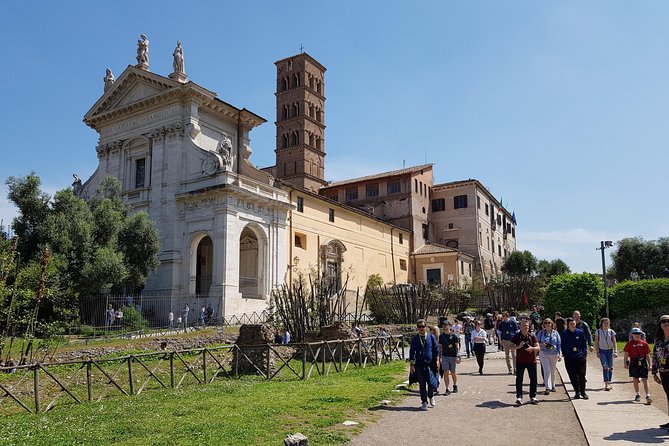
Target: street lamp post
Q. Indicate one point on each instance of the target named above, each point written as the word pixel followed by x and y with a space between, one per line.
pixel 602 247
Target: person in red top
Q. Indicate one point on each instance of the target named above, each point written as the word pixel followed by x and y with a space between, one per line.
pixel 526 346
pixel 637 358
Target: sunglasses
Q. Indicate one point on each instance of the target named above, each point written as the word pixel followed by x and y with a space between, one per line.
pixel 664 321
pixel 421 326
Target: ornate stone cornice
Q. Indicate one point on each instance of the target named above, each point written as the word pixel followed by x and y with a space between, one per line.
pixel 113 146
pixel 167 131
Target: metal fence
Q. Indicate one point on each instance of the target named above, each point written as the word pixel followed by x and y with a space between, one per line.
pixel 41 387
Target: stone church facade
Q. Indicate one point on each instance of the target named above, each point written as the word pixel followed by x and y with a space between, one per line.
pixel 182 155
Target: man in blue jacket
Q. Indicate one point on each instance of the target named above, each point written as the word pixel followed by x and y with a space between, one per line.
pixel 424 359
pixel 508 328
pixel 575 352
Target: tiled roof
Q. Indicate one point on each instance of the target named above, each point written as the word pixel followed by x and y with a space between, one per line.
pixel 392 173
pixel 434 248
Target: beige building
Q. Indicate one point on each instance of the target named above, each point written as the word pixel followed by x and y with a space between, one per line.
pixel 400 197
pixel 466 216
pixel 436 264
pixel 342 242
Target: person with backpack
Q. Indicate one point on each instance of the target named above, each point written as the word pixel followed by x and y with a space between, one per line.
pixel 467 329
pixel 535 316
pixel 508 329
pixel 424 360
pixel 550 353
pixel 489 327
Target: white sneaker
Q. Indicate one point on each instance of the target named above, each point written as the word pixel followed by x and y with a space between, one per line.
pixel 649 400
pixel 432 402
pixel 423 406
pixel 534 401
pixel 519 402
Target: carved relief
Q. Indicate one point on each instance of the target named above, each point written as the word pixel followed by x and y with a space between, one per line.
pixel 210 165
pixel 166 131
pixel 201 204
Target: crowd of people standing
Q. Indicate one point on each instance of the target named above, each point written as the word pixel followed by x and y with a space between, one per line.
pixel 531 341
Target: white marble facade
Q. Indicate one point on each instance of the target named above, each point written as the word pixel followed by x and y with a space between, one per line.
pixel 182 155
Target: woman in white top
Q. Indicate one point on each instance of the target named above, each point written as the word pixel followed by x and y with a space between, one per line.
pixel 457 330
pixel 549 353
pixel 605 340
pixel 479 336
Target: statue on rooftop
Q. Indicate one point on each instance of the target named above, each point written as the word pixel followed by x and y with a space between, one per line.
pixel 178 54
pixel 109 79
pixel 143 52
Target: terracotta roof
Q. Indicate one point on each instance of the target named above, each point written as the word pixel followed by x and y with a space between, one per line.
pixel 433 248
pixel 392 173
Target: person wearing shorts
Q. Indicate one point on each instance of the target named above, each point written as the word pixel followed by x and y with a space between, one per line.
pixel 637 358
pixel 449 346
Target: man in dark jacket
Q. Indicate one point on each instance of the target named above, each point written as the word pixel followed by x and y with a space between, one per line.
pixel 424 359
pixel 508 328
pixel 575 352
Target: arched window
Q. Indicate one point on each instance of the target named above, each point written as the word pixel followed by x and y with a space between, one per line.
pixel 285 112
pixel 284 84
pixel 284 141
pixel 248 264
pixel 296 109
pixel 204 266
pixel 333 257
pixel 312 140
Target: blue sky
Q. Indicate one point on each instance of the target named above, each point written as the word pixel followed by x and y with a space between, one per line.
pixel 559 108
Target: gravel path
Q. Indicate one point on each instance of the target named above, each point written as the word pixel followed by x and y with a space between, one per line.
pixel 481 412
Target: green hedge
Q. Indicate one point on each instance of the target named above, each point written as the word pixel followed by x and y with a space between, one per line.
pixel 629 296
pixel 568 292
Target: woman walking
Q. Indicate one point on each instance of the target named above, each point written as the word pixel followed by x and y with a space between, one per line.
pixel 479 336
pixel 660 361
pixel 550 353
pixel 605 340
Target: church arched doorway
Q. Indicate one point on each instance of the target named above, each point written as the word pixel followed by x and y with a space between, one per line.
pixel 204 266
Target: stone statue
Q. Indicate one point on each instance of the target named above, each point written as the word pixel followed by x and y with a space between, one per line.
pixel 225 150
pixel 143 53
pixel 76 184
pixel 109 79
pixel 178 54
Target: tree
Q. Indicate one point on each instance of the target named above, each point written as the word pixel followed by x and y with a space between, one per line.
pixel 569 292
pixel 636 253
pixel 94 247
pixel 33 205
pixel 548 269
pixel 520 263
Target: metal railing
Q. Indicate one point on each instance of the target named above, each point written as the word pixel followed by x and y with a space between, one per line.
pixel 41 387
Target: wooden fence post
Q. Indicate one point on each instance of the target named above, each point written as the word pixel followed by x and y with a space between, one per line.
pixel 268 362
pixel 236 356
pixel 36 384
pixel 89 384
pixel 172 369
pixel 204 364
pixel 131 378
pixel 360 352
pixel 304 361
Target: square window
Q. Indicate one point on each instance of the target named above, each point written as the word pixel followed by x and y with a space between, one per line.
pixel 394 187
pixel 372 190
pixel 351 194
pixel 300 204
pixel 300 240
pixel 460 202
pixel 438 205
pixel 403 264
pixel 450 226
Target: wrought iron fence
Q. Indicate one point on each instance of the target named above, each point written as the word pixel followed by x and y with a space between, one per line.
pixel 41 387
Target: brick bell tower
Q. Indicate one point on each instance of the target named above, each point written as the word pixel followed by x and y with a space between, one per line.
pixel 300 118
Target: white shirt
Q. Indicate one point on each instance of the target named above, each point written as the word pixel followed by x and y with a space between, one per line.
pixel 457 329
pixel 479 334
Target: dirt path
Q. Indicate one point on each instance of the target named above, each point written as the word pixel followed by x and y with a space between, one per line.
pixel 481 412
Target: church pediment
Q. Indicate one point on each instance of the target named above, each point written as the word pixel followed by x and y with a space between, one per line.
pixel 134 86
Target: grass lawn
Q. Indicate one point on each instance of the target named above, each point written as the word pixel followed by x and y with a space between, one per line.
pixel 249 411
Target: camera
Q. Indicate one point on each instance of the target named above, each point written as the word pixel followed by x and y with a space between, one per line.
pixel 548 345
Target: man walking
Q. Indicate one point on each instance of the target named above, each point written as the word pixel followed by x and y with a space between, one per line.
pixel 575 352
pixel 526 359
pixel 424 359
pixel 449 346
pixel 585 328
pixel 467 328
pixel 508 329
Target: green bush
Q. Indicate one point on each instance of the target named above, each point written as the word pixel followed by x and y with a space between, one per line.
pixel 132 319
pixel 629 296
pixel 568 292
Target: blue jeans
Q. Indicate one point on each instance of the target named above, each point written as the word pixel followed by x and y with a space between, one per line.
pixel 468 344
pixel 424 386
pixel 606 358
